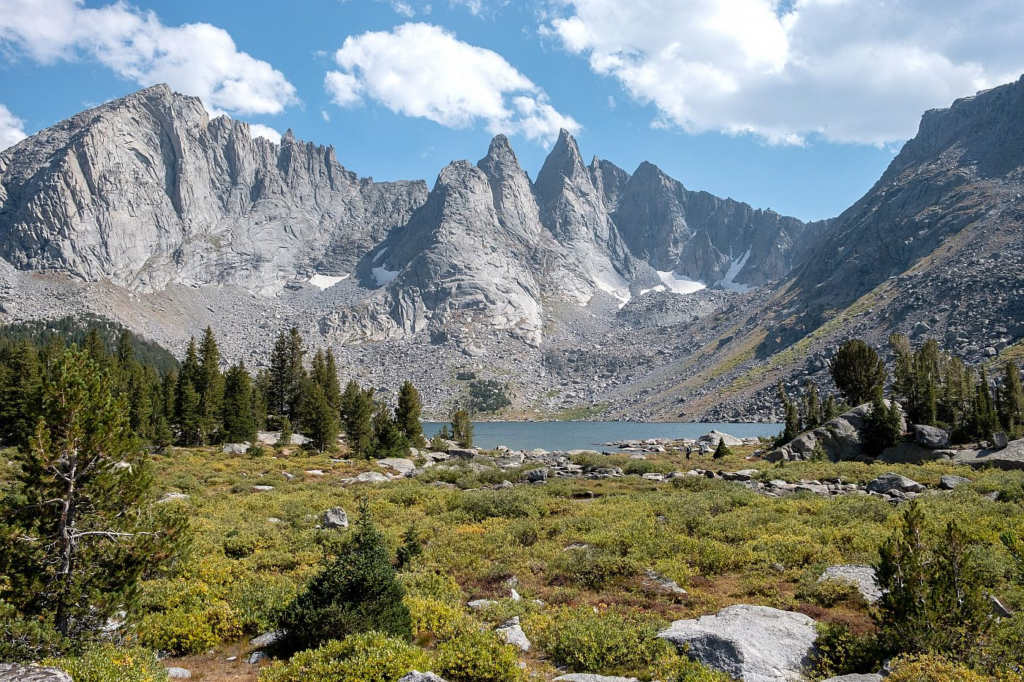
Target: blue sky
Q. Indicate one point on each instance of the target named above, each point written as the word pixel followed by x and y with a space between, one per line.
pixel 796 105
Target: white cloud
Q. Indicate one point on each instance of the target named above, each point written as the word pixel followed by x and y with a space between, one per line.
pixel 260 130
pixel 197 59
pixel 12 129
pixel 847 70
pixel 423 70
pixel 403 8
pixel 325 115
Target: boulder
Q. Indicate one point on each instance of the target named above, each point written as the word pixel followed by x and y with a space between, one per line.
pixel 660 583
pixel 1010 458
pixel 266 639
pixel 872 677
pixel 480 604
pixel 586 677
pixel 913 453
pixel 335 518
pixel 750 643
pixel 403 466
pixel 173 497
pixel 889 482
pixel 371 477
pixel 263 488
pixel 179 674
pixel 417 676
pixel 463 453
pixel 950 482
pixel 236 448
pixel 713 437
pixel 840 438
pixel 14 672
pixel 512 633
pixel 860 575
pixel 999 440
pixel 255 657
pixel 931 437
pixel 534 475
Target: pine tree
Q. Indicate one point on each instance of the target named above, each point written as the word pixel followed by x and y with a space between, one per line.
pixel 984 420
pixel 960 610
pixel 329 382
pixel 357 416
pixel 285 438
pixel 792 416
pixel 407 415
pixel 319 419
pixel 125 350
pixel 210 387
pixel 83 537
pixel 95 348
pixel 261 399
pixel 462 428
pixel 239 423
pixel 388 440
pixel 722 450
pixel 812 407
pixel 22 393
pixel 358 592
pixel 187 415
pixel 830 411
pixel 857 371
pixel 1011 398
pixel 882 428
pixel 902 574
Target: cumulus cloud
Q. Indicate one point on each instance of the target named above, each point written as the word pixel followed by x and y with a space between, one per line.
pixel 786 69
pixel 425 71
pixel 260 130
pixel 197 59
pixel 12 128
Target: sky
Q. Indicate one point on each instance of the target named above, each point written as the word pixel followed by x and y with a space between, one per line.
pixel 793 105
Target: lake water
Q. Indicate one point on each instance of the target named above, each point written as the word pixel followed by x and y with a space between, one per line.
pixel 593 435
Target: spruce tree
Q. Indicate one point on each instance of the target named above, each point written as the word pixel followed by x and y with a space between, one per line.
pixel 857 371
pixel 722 450
pixel 388 440
pixel 462 428
pixel 95 348
pixel 407 415
pixel 22 393
pixel 357 592
pixel 1011 398
pixel 882 427
pixel 125 349
pixel 792 416
pixel 812 407
pixel 984 420
pixel 210 387
pixel 357 416
pixel 830 411
pixel 83 535
pixel 239 423
pixel 319 419
pixel 187 415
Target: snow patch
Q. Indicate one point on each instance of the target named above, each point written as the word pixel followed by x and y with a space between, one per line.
pixel 322 282
pixel 734 269
pixel 680 284
pixel 657 289
pixel 619 290
pixel 383 275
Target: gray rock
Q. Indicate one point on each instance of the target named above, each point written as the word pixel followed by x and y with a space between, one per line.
pixel 14 672
pixel 913 453
pixel 534 475
pixel 713 437
pixel 416 676
pixel 266 639
pixel 860 575
pixel 255 657
pixel 949 482
pixel 179 674
pixel 1010 458
pixel 998 608
pixel 481 604
pixel 371 477
pixel 236 448
pixel 335 518
pixel 263 488
pixel 752 643
pixel 856 678
pixel 999 440
pixel 173 497
pixel 512 633
pixel 463 453
pixel 661 583
pixel 931 437
pixel 403 466
pixel 586 677
pixel 840 438
pixel 890 482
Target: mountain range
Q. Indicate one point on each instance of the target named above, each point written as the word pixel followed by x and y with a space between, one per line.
pixel 588 290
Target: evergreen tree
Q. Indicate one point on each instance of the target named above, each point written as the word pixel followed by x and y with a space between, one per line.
pixel 882 428
pixel 1011 398
pixel 329 381
pixel 261 399
pixel 388 440
pixel 830 411
pixel 210 387
pixel 239 423
pixel 285 438
pixel 410 548
pixel 319 418
pixel 812 407
pixel 792 416
pixel 462 428
pixel 407 415
pixel 83 537
pixel 125 350
pixel 95 348
pixel 187 415
pixel 357 416
pixel 857 371
pixel 902 574
pixel 984 420
pixel 358 592
pixel 287 374
pixel 722 450
pixel 21 394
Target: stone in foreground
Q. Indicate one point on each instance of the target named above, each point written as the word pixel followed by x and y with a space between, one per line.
pixel 750 643
pixel 584 677
pixel 13 672
pixel 860 575
pixel 512 633
pixel 179 674
pixel 417 676
pixel 335 518
pixel 872 677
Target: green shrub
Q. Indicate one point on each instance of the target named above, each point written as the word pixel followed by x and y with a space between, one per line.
pixel 187 632
pixel 258 601
pixel 432 585
pixel 358 592
pixel 589 642
pixel 366 657
pixel 478 657
pixel 829 593
pixel 107 663
pixel 437 619
pixel 27 639
pixel 931 669
pixel 512 503
pixel 841 652
pixel 592 569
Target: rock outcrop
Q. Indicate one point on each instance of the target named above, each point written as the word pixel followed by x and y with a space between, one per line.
pixel 14 672
pixel 750 643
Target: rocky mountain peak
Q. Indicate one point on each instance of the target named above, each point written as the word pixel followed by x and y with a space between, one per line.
pixel 563 164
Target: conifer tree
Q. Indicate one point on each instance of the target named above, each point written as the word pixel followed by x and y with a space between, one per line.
pixel 210 387
pixel 830 411
pixel 462 428
pixel 812 407
pixel 792 416
pixel 388 440
pixel 857 371
pixel 286 374
pixel 239 423
pixel 125 350
pixel 319 419
pixel 83 538
pixel 187 415
pixel 95 348
pixel 721 450
pixel 407 415
pixel 1011 398
pixel 357 416
pixel 21 395
pixel 882 427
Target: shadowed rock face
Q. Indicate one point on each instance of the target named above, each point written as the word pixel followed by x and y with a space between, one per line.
pixel 147 191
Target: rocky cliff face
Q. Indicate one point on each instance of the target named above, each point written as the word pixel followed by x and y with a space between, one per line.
pixel 146 191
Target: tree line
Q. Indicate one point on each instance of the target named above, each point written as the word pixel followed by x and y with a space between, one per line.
pixel 932 387
pixel 197 403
